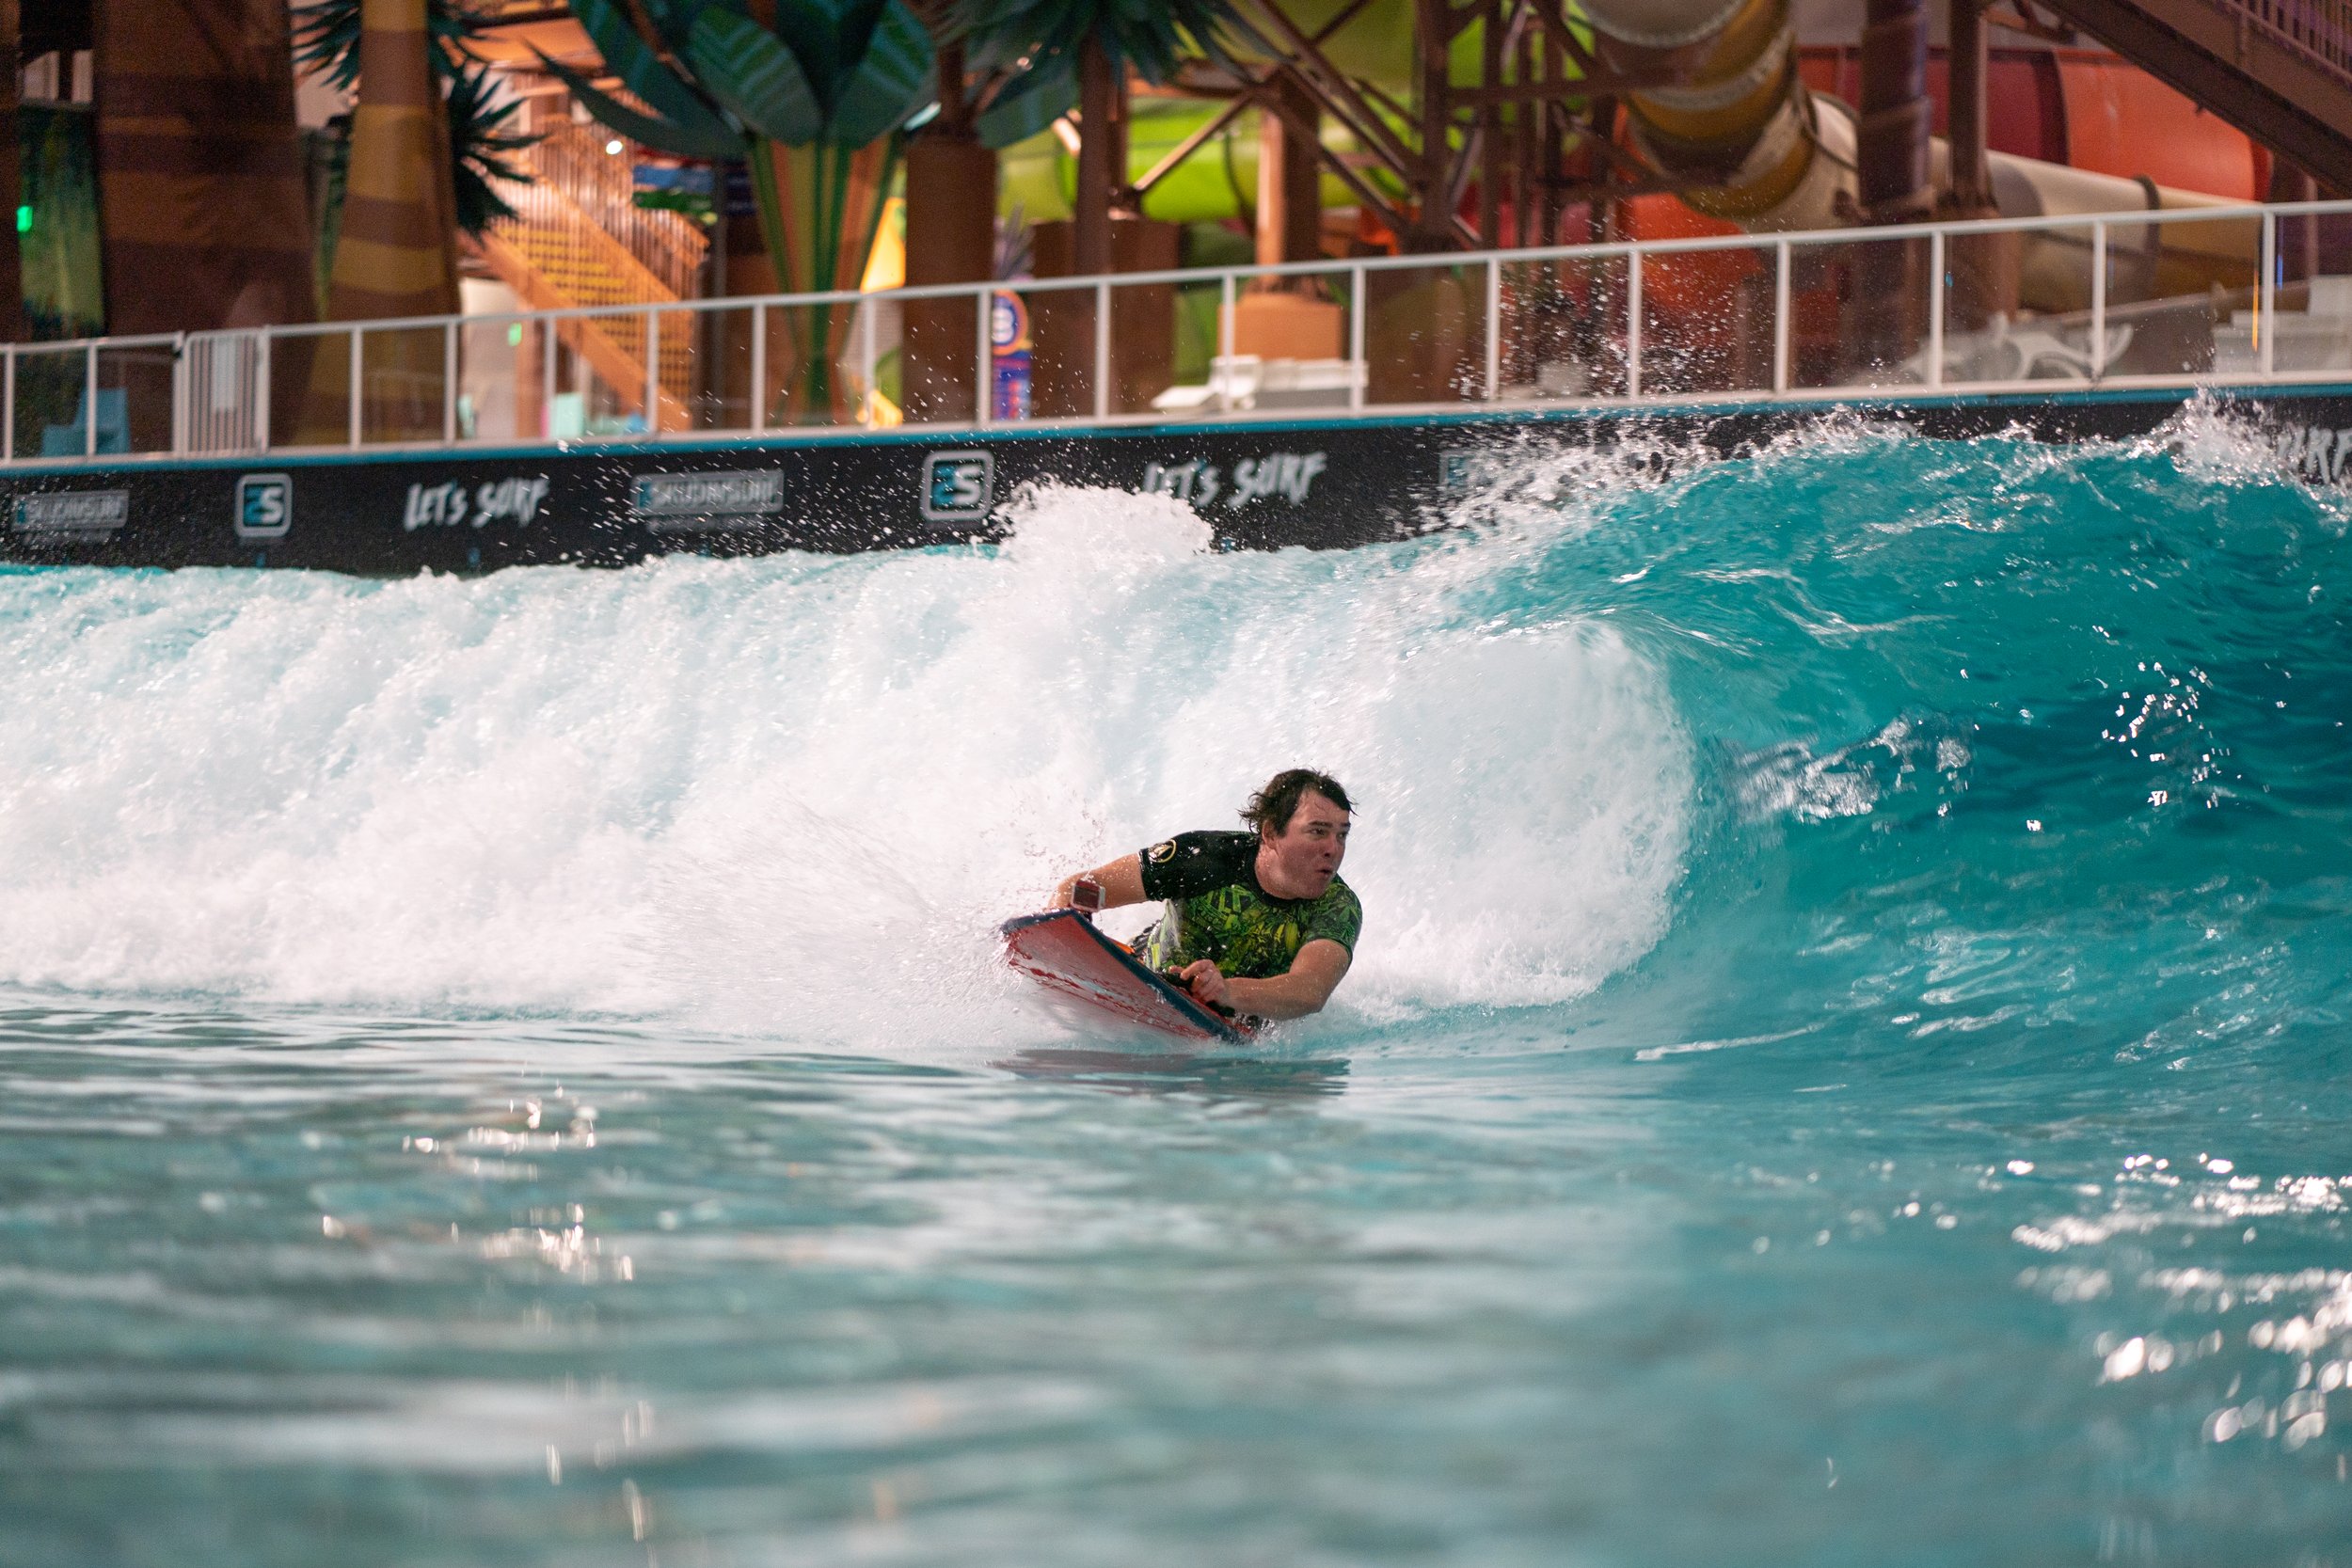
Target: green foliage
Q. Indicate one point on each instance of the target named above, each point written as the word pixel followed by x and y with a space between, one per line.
pixel 483 145
pixel 327 36
pixel 60 254
pixel 844 72
pixel 1151 36
pixel 687 125
pixel 755 78
pixel 482 140
pixel 893 80
pixel 1032 100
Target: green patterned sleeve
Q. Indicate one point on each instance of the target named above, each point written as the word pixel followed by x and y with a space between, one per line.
pixel 1337 917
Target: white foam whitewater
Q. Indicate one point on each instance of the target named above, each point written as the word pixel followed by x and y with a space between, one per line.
pixel 794 795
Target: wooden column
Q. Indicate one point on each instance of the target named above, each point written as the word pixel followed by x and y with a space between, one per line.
pixel 951 238
pixel 12 181
pixel 1972 178
pixel 1892 160
pixel 1490 128
pixel 1982 267
pixel 1101 153
pixel 1432 106
pixel 1885 322
pixel 1290 201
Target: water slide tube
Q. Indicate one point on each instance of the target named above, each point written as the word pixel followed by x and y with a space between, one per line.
pixel 1776 155
pixel 1772 155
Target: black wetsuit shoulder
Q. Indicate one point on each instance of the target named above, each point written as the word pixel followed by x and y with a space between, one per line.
pixel 1193 863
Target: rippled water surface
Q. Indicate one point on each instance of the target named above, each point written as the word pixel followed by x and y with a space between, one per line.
pixel 1847 1062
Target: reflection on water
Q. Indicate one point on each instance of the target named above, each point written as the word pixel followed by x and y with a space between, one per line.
pixel 1240 1078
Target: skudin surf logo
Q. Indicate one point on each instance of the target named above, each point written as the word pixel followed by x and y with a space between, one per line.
pixel 73 514
pixel 958 486
pixel 685 502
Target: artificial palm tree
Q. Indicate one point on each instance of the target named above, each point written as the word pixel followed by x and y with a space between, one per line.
pixel 990 97
pixel 813 95
pixel 397 252
pixel 481 130
pixel 1098 42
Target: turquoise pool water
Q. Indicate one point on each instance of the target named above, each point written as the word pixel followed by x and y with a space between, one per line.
pixel 1849 1060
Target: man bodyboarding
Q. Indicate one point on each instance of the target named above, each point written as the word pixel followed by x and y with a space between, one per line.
pixel 1256 922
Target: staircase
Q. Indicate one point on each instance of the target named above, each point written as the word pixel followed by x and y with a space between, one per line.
pixel 578 239
pixel 2278 70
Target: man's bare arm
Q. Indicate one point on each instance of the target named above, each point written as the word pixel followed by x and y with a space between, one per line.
pixel 1313 975
pixel 1121 883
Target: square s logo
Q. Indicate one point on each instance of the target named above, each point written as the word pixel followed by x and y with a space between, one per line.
pixel 958 486
pixel 264 506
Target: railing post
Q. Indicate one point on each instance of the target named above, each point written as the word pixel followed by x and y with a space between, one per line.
pixel 1781 292
pixel 983 390
pixel 867 308
pixel 759 366
pixel 1358 371
pixel 2098 299
pixel 1494 330
pixel 2267 298
pixel 653 373
pixel 547 377
pixel 1633 323
pixel 178 393
pixel 1936 308
pixel 354 389
pixel 1221 372
pixel 1102 348
pixel 449 383
pixel 89 399
pixel 260 393
pixel 7 396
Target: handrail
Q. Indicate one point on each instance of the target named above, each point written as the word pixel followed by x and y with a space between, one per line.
pixel 2322 32
pixel 220 388
pixel 570 162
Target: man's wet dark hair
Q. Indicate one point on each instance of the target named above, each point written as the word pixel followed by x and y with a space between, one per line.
pixel 1272 808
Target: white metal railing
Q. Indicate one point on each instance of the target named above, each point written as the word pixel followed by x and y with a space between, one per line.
pixel 402 384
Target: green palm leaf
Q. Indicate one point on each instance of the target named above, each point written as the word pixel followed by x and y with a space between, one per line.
pixel 611 112
pixel 755 78
pixel 483 145
pixel 892 80
pixel 643 71
pixel 1150 35
pixel 673 20
pixel 812 30
pixel 1031 101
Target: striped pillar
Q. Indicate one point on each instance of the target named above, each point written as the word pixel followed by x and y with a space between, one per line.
pixel 396 254
pixel 204 216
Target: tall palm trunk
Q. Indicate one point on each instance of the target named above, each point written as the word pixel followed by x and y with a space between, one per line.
pixel 397 251
pixel 1101 152
pixel 203 211
pixel 951 238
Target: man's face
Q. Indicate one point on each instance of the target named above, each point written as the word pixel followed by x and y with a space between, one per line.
pixel 1307 854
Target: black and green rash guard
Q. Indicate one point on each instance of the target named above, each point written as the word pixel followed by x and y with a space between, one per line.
pixel 1217 909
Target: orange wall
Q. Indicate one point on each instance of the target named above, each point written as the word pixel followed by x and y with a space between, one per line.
pixel 2121 121
pixel 2086 108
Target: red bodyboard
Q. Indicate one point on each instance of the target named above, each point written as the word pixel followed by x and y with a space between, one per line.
pixel 1062 951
